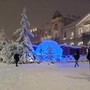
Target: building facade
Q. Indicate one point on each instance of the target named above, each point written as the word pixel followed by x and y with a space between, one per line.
pixel 53 29
pixel 83 31
pixel 67 30
pixel 68 34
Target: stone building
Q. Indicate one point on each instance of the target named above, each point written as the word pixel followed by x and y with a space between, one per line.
pixel 68 34
pixel 53 28
pixel 68 30
pixel 78 32
pixel 82 32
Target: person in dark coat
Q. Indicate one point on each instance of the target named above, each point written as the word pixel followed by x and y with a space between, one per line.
pixel 16 57
pixel 88 57
pixel 76 57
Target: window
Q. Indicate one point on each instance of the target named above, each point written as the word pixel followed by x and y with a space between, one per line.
pixel 86 28
pixel 72 43
pixel 49 32
pixel 56 35
pixel 45 32
pixel 88 43
pixel 35 35
pixel 80 31
pixel 64 38
pixel 71 37
pixel 56 27
pixel 64 34
pixel 72 34
pixel 80 43
pixel 31 30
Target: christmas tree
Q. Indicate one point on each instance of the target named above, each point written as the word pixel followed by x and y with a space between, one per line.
pixel 24 44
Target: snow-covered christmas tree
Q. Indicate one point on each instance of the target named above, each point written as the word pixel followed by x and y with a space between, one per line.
pixel 3 39
pixel 24 45
pixel 5 48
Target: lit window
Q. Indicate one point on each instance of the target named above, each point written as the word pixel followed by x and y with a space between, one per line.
pixel 46 32
pixel 65 43
pixel 35 29
pixel 72 34
pixel 71 37
pixel 88 43
pixel 80 43
pixel 64 38
pixel 72 43
pixel 80 31
pixel 86 28
pixel 31 30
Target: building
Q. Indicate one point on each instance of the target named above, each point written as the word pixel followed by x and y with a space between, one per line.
pixel 78 32
pixel 83 31
pixel 37 35
pixel 68 34
pixel 72 31
pixel 53 28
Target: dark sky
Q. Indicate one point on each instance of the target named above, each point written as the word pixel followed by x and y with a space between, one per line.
pixel 38 11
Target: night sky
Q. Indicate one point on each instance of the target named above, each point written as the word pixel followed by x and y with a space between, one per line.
pixel 38 11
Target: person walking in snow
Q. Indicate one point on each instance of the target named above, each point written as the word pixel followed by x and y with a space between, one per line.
pixel 76 57
pixel 88 56
pixel 16 57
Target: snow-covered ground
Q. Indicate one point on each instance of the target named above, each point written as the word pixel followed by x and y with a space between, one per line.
pixel 58 76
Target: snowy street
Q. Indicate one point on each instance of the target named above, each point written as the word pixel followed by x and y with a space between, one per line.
pixel 58 76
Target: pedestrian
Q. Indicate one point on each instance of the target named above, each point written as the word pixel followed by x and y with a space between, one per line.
pixel 88 57
pixel 76 57
pixel 16 57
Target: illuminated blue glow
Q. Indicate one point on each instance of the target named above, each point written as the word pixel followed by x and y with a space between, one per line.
pixel 49 50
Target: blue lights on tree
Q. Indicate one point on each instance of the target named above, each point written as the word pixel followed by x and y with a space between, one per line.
pixel 49 51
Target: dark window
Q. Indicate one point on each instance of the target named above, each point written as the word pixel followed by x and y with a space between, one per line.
pixel 64 34
pixel 56 27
